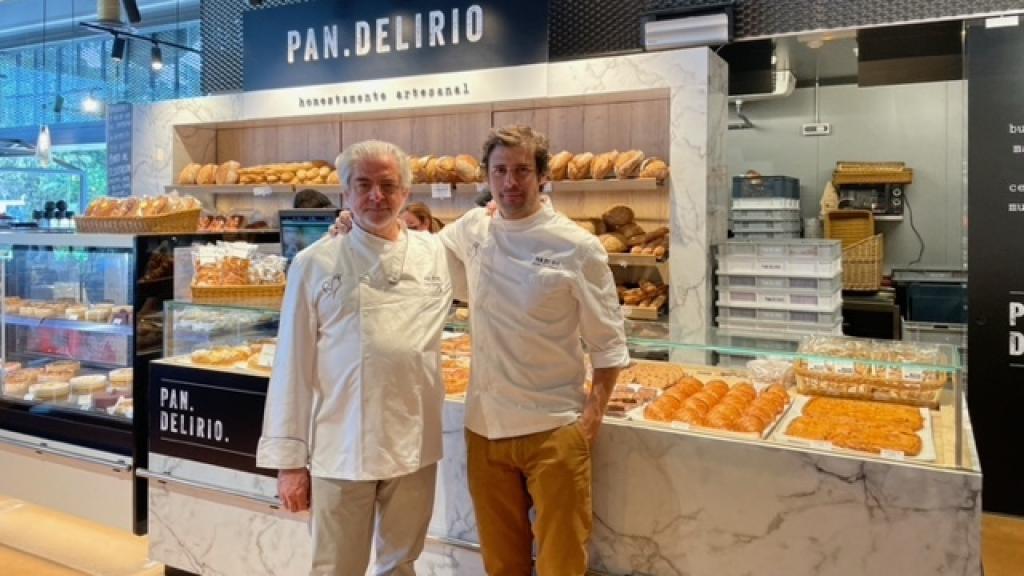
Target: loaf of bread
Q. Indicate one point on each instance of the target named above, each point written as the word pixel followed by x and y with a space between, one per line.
pixel 613 243
pixel 444 170
pixel 227 173
pixel 627 165
pixel 618 216
pixel 579 166
pixel 654 168
pixel 188 174
pixel 333 177
pixel 630 229
pixel 603 165
pixel 558 165
pixel 419 169
pixel 207 175
pixel 467 168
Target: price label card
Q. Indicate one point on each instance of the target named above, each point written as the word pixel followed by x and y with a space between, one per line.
pixel 85 401
pixel 817 366
pixel 843 366
pixel 262 191
pixel 442 190
pixel 775 299
pixel 547 188
pixel 821 445
pixel 913 374
pixel 117 321
pixel 266 358
pixel 681 425
pixel 73 317
pixel 771 266
pixel 30 397
pixel 892 455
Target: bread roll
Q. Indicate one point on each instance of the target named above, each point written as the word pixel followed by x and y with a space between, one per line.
pixel 559 165
pixel 222 175
pixel 188 174
pixel 613 243
pixel 618 216
pixel 654 168
pixel 627 165
pixel 603 165
pixel 444 170
pixel 207 175
pixel 333 177
pixel 579 166
pixel 467 168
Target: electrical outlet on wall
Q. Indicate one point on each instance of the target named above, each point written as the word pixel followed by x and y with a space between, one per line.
pixel 816 129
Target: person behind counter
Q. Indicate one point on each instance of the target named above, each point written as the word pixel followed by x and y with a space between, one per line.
pixel 417 216
pixel 356 393
pixel 530 423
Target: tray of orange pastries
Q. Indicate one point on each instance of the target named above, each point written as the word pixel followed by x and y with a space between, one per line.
pixel 861 426
pixel 455 371
pixel 715 406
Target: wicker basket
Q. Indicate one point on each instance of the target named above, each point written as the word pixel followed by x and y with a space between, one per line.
pixel 850 226
pixel 885 385
pixel 176 222
pixel 248 294
pixel 862 264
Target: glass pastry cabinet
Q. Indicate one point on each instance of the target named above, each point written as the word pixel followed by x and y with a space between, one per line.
pixel 82 317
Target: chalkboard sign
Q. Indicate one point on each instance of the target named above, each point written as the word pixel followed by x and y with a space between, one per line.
pixel 995 82
pixel 119 150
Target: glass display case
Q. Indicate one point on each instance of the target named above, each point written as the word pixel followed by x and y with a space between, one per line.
pixel 220 337
pixel 82 318
pixel 874 399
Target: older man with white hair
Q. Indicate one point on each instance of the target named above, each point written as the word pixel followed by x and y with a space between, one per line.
pixel 353 413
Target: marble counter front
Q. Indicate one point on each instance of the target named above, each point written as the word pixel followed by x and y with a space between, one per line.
pixel 665 503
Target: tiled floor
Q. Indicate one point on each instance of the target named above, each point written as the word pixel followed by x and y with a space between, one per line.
pixel 27 547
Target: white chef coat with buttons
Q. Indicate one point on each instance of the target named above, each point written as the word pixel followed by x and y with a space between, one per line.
pixel 539 288
pixel 356 389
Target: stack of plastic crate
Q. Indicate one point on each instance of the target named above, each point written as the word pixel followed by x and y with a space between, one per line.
pixel 765 208
pixel 773 292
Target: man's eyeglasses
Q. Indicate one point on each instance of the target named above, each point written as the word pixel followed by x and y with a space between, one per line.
pixel 521 172
pixel 365 187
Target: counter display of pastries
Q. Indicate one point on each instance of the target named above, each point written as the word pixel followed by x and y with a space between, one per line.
pixel 63 382
pixel 68 309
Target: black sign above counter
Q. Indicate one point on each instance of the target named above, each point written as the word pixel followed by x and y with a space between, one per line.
pixel 335 42
pixel 214 417
pixel 995 120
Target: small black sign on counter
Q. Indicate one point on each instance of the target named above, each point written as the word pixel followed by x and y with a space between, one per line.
pixel 206 416
pixel 119 150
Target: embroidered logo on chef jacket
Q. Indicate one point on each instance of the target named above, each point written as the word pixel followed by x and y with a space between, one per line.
pixel 547 262
pixel 331 286
pixel 433 284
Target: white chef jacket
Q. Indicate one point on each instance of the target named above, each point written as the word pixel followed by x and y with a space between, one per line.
pixel 356 389
pixel 537 286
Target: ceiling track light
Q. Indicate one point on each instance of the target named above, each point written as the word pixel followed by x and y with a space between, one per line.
pixel 157 61
pixel 117 50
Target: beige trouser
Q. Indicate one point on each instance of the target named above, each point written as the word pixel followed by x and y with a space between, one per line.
pixel 549 471
pixel 343 516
